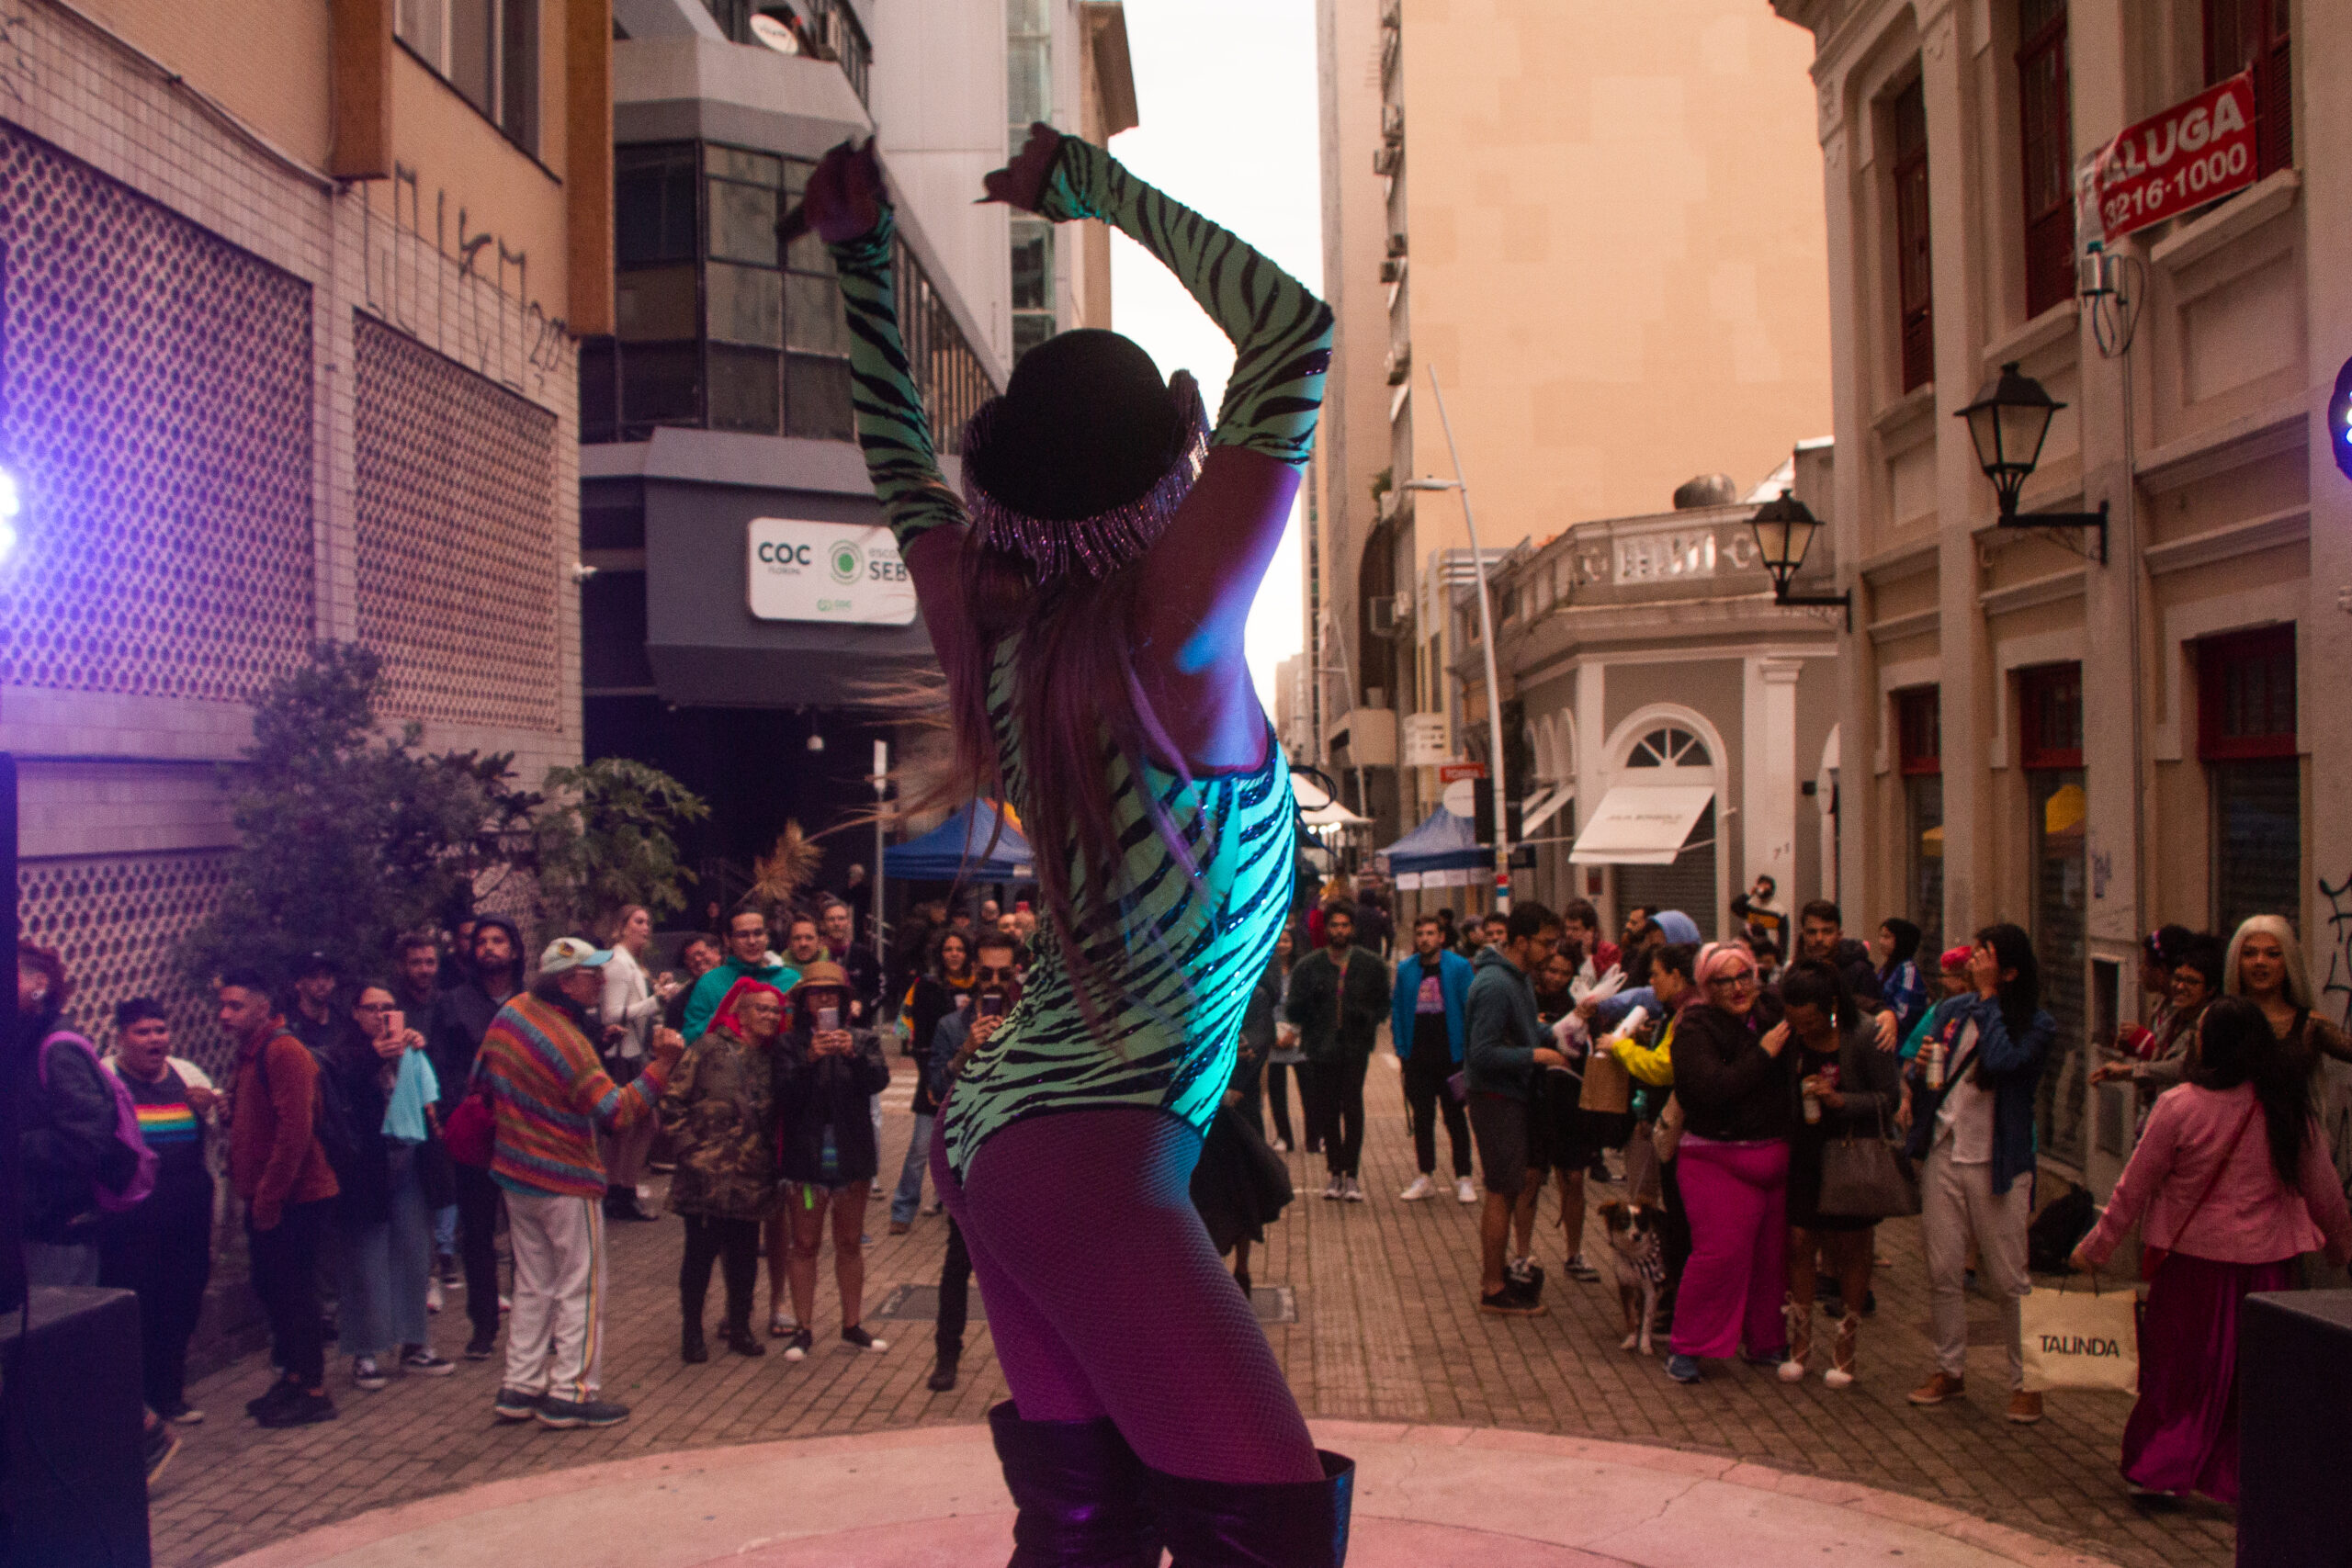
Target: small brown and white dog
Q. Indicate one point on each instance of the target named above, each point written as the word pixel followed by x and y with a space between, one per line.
pixel 1637 1252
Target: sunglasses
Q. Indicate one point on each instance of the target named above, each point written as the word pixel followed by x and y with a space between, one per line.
pixel 1745 980
pixel 991 972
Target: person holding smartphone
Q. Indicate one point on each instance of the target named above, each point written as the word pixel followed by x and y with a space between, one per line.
pixel 995 986
pixel 827 1154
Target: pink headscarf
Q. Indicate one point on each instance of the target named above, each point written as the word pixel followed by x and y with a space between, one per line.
pixel 1720 958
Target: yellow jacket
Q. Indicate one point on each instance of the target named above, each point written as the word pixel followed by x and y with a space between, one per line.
pixel 1652 1064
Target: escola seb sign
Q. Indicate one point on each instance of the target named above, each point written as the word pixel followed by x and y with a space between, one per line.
pixel 847 572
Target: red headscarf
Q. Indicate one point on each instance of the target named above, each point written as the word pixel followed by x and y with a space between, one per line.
pixel 730 1018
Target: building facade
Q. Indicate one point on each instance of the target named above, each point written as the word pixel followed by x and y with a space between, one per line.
pixel 1670 733
pixel 291 308
pixel 1592 229
pixel 716 418
pixel 2090 746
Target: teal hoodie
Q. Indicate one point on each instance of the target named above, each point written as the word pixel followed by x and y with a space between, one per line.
pixel 1504 1031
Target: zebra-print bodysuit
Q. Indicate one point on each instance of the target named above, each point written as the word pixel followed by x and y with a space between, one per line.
pixel 1187 950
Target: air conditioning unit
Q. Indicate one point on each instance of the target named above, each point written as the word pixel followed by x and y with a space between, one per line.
pixel 1400 365
pixel 1381 614
pixel 1387 159
pixel 1392 270
pixel 1396 242
pixel 1392 123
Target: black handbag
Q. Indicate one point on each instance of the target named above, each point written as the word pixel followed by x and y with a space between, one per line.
pixel 1867 1177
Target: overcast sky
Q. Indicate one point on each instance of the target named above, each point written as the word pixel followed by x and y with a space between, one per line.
pixel 1225 91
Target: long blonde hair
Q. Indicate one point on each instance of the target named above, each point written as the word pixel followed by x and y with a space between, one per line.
pixel 2298 987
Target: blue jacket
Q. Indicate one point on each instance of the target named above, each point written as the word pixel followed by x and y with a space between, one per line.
pixel 1453 980
pixel 2013 1064
pixel 1504 1030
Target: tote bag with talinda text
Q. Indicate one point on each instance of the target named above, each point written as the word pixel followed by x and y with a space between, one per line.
pixel 2081 1339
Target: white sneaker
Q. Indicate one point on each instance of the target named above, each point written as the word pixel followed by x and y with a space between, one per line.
pixel 1278 1146
pixel 1464 1191
pixel 1420 1190
pixel 1350 1190
pixel 1334 1190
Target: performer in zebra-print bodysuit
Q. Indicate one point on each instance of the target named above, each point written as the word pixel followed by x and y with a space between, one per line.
pixel 1087 598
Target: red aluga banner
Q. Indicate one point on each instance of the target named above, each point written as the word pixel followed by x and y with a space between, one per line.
pixel 2191 154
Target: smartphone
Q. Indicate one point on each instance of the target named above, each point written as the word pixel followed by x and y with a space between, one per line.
pixel 992 1004
pixel 828 1020
pixel 395 1024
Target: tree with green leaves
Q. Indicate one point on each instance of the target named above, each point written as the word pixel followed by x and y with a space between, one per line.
pixel 601 840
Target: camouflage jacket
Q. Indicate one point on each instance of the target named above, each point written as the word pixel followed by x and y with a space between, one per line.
pixel 719 1111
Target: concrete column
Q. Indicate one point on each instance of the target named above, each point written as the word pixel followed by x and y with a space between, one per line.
pixel 1768 803
pixel 1592 736
pixel 2324 107
pixel 1963 496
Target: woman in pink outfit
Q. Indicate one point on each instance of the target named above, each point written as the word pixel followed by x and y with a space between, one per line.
pixel 2231 1181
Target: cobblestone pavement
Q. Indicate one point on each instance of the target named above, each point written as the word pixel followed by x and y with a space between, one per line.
pixel 1388 1328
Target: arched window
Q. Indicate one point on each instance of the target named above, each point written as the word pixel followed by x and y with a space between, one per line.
pixel 1669 747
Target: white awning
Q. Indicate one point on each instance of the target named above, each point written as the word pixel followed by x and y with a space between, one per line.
pixel 1641 825
pixel 1331 814
pixel 1542 807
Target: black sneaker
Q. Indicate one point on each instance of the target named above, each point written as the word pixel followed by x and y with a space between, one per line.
pixel 305 1409
pixel 1579 1269
pixel 943 1376
pixel 482 1347
pixel 565 1414
pixel 419 1359
pixel 1509 1302
pixel 796 1348
pixel 856 1337
pixel 517 1404
pixel 1526 1276
pixel 278 1394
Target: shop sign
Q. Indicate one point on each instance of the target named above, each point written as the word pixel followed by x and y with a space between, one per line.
pixel 1449 772
pixel 2195 152
pixel 848 572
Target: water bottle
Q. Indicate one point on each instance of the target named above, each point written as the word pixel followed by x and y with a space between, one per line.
pixel 1931 1059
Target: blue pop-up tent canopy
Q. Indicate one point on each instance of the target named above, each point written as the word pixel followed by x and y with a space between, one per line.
pixel 1443 842
pixel 962 847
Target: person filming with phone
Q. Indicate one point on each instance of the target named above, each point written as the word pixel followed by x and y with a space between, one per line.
pixel 995 988
pixel 826 1152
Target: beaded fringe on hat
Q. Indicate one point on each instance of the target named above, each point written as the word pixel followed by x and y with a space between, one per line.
pixel 1102 543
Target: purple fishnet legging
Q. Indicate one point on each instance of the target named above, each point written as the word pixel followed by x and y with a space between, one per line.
pixel 1106 1297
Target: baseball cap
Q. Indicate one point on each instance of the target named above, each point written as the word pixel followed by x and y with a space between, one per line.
pixel 572 953
pixel 1956 958
pixel 316 964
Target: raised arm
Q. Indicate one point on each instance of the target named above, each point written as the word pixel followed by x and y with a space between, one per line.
pixel 1202 576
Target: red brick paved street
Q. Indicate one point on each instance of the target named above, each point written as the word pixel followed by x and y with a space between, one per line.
pixel 1388 1328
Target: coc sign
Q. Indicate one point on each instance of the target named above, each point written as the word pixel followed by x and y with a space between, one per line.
pixel 848 572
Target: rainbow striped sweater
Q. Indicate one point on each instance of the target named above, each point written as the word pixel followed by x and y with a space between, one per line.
pixel 551 1094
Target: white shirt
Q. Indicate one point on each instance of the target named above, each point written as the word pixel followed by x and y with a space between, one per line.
pixel 1964 1120
pixel 629 1001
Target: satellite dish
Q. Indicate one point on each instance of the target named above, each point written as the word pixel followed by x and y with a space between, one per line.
pixel 775 33
pixel 1461 797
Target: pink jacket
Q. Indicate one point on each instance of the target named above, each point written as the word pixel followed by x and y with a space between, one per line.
pixel 2247 1217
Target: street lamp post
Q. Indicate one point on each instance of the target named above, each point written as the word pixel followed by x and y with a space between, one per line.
pixel 881 841
pixel 1487 640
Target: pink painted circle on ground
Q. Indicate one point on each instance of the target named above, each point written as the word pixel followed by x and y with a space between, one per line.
pixel 967 1538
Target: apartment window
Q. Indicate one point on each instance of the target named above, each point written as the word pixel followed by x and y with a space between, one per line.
pixel 1914 277
pixel 821 29
pixel 1919 752
pixel 719 327
pixel 487 49
pixel 2253 33
pixel 2245 722
pixel 2046 148
pixel 1029 98
pixel 2050 750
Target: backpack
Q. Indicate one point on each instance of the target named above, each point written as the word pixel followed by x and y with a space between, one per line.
pixel 2051 1239
pixel 115 1188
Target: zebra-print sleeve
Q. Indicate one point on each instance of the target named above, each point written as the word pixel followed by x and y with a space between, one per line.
pixel 892 428
pixel 1282 333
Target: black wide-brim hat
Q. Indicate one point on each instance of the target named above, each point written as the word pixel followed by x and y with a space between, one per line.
pixel 1080 465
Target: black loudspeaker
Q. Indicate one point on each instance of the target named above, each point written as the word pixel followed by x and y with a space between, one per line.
pixel 2295 1430
pixel 75 1490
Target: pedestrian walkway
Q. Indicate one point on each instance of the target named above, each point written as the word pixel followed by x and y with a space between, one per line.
pixel 1387 1332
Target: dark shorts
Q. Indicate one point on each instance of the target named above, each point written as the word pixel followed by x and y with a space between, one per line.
pixel 1569 1135
pixel 1498 1125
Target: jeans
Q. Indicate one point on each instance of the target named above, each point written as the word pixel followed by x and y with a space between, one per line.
pixel 165 1260
pixel 478 1198
pixel 49 1263
pixel 734 1246
pixel 909 1197
pixel 1426 1096
pixel 445 1231
pixel 955 1290
pixel 285 1277
pixel 1335 1111
pixel 385 1267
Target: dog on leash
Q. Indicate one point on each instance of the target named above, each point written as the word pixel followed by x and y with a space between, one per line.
pixel 1637 1252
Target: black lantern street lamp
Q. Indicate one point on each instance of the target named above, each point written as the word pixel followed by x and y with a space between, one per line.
pixel 1784 528
pixel 2008 423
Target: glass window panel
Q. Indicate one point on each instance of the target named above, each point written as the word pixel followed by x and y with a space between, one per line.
pixel 734 163
pixel 2061 903
pixel 473 50
pixel 2257 840
pixel 742 222
pixel 1029 330
pixel 599 405
pixel 655 302
pixel 1029 85
pixel 1033 265
pixel 518 94
pixel 653 210
pixel 819 403
pixel 1027 17
pixel 661 384
pixel 745 304
pixel 744 392
pixel 814 318
pixel 807 254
